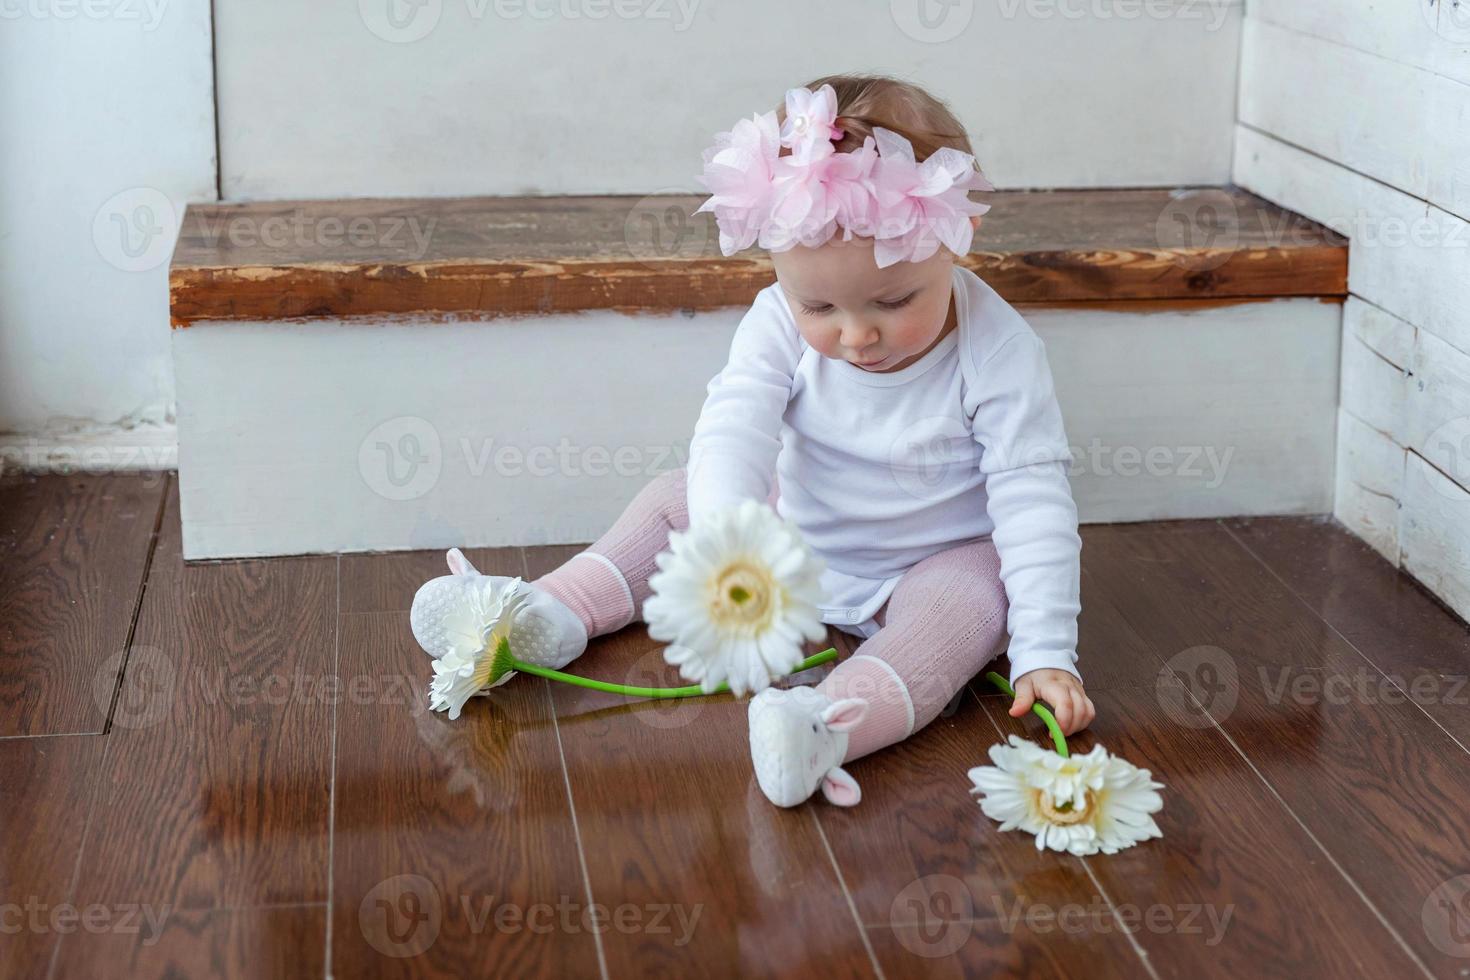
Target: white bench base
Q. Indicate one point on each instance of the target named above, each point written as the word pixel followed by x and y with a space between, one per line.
pixel 329 436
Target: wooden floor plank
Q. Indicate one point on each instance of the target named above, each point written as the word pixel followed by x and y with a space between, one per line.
pixel 1203 900
pixel 454 847
pixel 73 549
pixel 215 790
pixel 45 791
pixel 1324 814
pixel 1400 628
pixel 1373 779
pixel 673 824
pixel 944 895
pixel 387 582
pixel 1007 947
pixel 277 943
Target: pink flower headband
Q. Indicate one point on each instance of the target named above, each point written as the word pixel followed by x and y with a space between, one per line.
pixel 876 191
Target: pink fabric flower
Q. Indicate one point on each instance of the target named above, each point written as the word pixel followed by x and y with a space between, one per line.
pixel 809 128
pixel 813 200
pixel 923 205
pixel 739 171
pixel 877 191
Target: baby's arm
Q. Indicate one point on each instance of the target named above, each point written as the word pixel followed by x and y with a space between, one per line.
pixel 1018 422
pixel 732 454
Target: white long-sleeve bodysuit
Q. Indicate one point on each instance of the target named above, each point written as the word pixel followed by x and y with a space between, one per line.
pixel 881 470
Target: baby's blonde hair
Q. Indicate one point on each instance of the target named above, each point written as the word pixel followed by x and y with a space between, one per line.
pixel 865 101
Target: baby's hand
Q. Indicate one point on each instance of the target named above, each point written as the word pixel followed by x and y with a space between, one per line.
pixel 1062 691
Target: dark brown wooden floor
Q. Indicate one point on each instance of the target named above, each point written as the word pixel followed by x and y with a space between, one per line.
pixel 227 769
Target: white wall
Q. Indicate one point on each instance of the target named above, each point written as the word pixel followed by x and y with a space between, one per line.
pixel 106 129
pixel 569 96
pixel 1229 412
pixel 107 116
pixel 1357 114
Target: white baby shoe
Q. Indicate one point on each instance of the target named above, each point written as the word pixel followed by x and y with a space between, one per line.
pixel 458 611
pixel 798 738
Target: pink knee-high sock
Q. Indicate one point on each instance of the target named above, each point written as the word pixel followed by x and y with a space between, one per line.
pixel 605 585
pixel 944 622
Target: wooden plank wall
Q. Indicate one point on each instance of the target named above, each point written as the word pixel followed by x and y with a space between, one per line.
pixel 1358 115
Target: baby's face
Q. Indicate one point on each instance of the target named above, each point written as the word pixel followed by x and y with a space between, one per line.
pixel 847 308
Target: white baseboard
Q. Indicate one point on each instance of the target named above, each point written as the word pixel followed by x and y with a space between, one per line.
pixel 92 448
pixel 337 437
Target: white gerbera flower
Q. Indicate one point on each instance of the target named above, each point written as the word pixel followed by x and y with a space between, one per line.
pixel 735 598
pixel 479 645
pixel 1081 804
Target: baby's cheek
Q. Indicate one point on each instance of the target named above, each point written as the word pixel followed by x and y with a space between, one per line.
pixel 915 334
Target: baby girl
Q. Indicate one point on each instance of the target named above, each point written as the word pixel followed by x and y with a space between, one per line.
pixel 888 403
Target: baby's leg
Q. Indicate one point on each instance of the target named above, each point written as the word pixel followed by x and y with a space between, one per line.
pixel 944 622
pixel 606 584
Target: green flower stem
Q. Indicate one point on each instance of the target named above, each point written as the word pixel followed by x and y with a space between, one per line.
pixel 1042 712
pixel 691 691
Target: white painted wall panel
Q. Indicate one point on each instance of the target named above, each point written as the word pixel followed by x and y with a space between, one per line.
pixel 106 129
pixel 1398 123
pixel 1435 532
pixel 1437 424
pixel 496 97
pixel 453 434
pixel 1367 112
pixel 1370 482
pixel 1372 389
pixel 1429 34
pixel 1397 32
pixel 1236 404
pixel 1409 258
pixel 1381 127
pixel 1385 334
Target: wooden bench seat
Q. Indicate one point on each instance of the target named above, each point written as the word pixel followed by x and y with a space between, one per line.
pixel 490 257
pixel 339 390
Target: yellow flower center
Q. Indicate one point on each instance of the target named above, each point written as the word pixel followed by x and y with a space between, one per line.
pixel 742 595
pixel 1065 815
